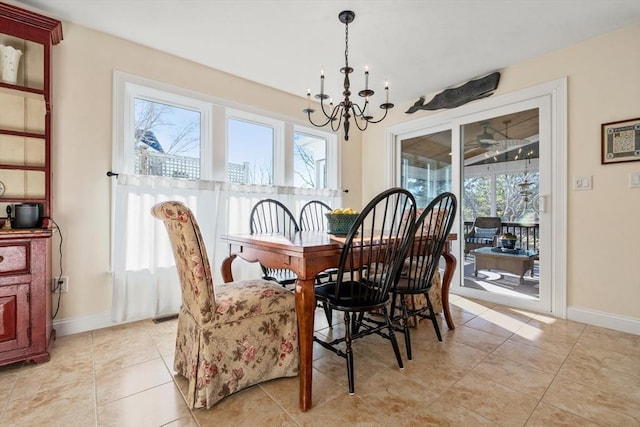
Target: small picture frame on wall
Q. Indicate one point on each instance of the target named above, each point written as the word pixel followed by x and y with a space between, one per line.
pixel 621 141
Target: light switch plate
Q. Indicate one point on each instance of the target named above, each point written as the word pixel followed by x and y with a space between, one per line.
pixel 582 183
pixel 634 180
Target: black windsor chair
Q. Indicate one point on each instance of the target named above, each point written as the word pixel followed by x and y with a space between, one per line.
pixel 271 216
pixel 431 230
pixel 371 258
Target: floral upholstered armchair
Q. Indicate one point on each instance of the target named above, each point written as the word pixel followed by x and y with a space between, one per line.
pixel 232 336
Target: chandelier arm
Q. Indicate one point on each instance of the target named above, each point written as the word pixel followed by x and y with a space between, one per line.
pixel 366 122
pixel 316 125
pixel 360 112
pixel 330 117
pixel 337 120
pixel 386 111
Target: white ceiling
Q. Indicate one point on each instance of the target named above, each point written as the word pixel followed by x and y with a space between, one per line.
pixel 420 46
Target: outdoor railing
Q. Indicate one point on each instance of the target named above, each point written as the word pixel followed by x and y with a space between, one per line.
pixel 528 234
pixel 149 162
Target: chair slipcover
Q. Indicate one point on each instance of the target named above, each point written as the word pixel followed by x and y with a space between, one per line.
pixel 231 337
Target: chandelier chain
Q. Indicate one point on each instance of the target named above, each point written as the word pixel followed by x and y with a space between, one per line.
pixel 346 44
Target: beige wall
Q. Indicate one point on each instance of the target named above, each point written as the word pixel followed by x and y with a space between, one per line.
pixel 604 85
pixel 82 68
pixel 603 271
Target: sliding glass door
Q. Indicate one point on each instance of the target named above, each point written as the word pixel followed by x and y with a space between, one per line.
pixel 501 183
pixel 505 160
pixel 426 165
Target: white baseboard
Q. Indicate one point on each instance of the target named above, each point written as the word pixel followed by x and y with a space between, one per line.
pixel 86 323
pixel 83 324
pixel 592 317
pixel 606 320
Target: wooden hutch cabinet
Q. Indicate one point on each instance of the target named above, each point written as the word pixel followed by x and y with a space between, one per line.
pixel 25 177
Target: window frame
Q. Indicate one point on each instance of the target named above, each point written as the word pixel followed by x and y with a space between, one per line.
pixel 133 91
pixel 278 157
pixel 332 155
pixel 215 113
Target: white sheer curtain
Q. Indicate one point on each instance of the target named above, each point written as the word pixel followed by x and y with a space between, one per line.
pixel 145 281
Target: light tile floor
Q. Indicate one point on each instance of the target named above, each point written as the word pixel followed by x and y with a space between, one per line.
pixel 500 366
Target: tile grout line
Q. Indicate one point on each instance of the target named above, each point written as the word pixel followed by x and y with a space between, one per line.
pixel 95 380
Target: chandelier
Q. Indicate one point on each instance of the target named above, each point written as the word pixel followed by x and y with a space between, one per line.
pixel 525 191
pixel 346 109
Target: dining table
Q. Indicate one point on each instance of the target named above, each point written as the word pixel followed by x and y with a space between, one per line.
pixel 308 253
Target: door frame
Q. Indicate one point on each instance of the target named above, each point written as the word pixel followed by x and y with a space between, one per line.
pixel 553 196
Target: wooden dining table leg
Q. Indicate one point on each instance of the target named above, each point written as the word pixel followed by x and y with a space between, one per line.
pixel 225 268
pixel 305 311
pixel 450 267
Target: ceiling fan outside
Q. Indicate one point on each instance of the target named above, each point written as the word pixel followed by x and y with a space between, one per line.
pixel 487 140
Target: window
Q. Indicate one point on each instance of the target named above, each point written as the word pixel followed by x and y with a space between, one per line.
pixel 161 132
pixel 250 152
pixel 166 140
pixel 173 133
pixel 514 194
pixel 309 161
pixel 477 197
pixel 426 165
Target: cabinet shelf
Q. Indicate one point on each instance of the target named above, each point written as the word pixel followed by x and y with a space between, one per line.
pixel 25 91
pixel 23 134
pixel 23 167
pixel 9 199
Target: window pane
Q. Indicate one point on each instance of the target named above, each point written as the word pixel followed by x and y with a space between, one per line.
pixel 426 166
pixel 477 197
pixel 501 168
pixel 514 193
pixel 309 161
pixel 167 140
pixel 250 153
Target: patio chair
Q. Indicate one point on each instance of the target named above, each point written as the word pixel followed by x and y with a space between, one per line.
pixel 484 233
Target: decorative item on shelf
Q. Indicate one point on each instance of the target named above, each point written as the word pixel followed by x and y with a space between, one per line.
pixel 340 221
pixel 346 108
pixel 26 215
pixel 508 240
pixel 7 222
pixel 9 61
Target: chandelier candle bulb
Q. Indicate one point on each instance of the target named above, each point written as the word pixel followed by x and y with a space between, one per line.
pixel 322 81
pixel 366 77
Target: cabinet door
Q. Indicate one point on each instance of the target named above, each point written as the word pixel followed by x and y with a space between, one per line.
pixel 14 317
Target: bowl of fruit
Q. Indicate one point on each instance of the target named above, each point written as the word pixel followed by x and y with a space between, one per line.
pixel 339 221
